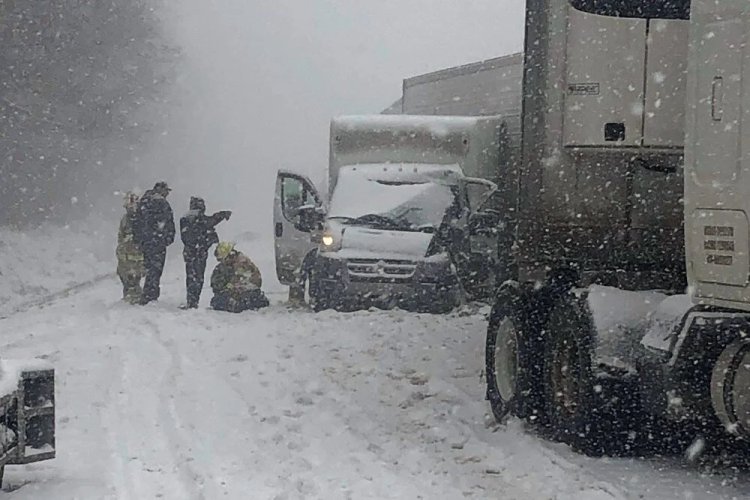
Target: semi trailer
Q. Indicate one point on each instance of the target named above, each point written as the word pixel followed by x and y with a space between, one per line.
pixel 628 296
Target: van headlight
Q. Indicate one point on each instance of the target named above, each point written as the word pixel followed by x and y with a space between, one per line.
pixel 330 240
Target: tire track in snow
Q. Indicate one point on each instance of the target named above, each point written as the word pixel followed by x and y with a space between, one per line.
pixel 170 418
pixel 218 455
pixel 428 423
pixel 55 296
pixel 122 477
pixel 40 321
pixel 146 466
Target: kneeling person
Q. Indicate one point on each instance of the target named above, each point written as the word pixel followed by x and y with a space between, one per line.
pixel 236 281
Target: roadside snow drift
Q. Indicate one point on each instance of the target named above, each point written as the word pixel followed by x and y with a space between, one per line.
pixel 49 260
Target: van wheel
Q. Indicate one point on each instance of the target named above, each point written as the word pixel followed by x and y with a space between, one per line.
pixel 508 355
pixel 318 298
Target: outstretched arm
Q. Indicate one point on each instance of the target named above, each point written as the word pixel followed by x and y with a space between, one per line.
pixel 219 217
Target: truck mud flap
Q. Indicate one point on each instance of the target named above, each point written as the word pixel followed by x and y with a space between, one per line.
pixel 36 417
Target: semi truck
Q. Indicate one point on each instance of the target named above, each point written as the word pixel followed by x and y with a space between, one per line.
pixel 628 296
pixel 405 221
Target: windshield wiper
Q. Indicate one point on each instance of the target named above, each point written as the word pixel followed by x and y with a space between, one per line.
pixel 343 219
pixel 378 220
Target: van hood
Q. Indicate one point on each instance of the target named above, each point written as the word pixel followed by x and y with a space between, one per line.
pixel 365 241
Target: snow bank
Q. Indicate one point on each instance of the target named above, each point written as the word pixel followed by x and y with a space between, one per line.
pixel 665 322
pixel 11 370
pixel 38 263
pixel 621 319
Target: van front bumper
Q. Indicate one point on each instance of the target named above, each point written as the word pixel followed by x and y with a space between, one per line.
pixel 422 285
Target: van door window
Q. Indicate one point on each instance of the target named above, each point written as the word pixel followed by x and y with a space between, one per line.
pixel 294 194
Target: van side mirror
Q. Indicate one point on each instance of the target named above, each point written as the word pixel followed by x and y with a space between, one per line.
pixel 309 218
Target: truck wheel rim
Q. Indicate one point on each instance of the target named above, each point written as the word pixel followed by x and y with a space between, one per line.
pixel 506 359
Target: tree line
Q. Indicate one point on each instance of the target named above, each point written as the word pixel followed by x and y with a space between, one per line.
pixel 82 83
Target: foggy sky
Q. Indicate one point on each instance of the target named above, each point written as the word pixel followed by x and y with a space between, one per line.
pixel 261 79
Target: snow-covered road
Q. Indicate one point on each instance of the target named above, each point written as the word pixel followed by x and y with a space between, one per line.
pixel 156 402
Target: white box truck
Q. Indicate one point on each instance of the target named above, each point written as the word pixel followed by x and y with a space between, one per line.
pixel 410 218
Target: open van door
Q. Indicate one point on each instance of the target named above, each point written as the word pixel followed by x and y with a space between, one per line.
pixel 475 269
pixel 483 219
pixel 297 215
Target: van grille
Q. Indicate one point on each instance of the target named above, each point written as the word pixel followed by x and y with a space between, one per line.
pixel 381 271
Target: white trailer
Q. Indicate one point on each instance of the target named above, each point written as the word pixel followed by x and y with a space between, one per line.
pixel 485 88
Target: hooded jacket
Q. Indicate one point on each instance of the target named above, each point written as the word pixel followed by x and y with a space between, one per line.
pixel 198 230
pixel 155 221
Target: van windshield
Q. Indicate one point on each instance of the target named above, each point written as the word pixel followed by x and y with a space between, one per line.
pixel 408 205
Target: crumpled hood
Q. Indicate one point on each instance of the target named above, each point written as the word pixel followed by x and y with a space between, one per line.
pixel 364 240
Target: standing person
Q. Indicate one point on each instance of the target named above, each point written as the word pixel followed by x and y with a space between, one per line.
pixel 155 233
pixel 129 255
pixel 198 233
pixel 236 281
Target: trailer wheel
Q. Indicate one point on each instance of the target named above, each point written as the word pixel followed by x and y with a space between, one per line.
pixel 571 390
pixel 507 358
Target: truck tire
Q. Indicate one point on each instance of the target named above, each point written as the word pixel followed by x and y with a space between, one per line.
pixel 509 358
pixel 568 377
pixel 595 415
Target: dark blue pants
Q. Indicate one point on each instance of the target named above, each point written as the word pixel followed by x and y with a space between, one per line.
pixel 153 260
pixel 195 272
pixel 250 300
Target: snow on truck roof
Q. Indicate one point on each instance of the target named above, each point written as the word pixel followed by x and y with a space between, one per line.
pixel 405 172
pixel 435 125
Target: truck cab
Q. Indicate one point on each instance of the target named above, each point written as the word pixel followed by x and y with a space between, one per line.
pixel 403 226
pixel 717 204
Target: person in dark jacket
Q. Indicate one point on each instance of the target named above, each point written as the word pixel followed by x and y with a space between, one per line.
pixel 198 233
pixel 155 232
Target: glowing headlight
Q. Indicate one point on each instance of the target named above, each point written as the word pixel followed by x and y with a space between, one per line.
pixel 327 240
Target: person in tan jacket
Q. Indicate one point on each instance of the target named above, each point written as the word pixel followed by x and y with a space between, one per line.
pixel 129 254
pixel 236 281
